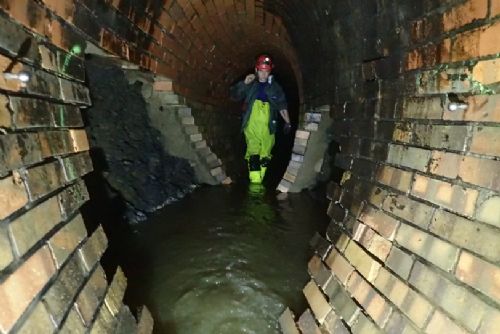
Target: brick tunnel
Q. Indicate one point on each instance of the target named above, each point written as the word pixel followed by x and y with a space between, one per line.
pixel 395 111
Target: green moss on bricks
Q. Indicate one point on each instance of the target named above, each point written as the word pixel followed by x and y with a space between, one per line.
pixel 479 89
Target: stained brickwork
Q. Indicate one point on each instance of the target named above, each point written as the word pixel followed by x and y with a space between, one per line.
pixel 201 45
pixel 414 236
pixel 50 275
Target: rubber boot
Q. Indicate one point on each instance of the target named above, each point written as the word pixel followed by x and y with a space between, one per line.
pixel 264 163
pixel 254 169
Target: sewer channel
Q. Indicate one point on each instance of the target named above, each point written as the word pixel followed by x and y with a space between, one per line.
pixel 223 260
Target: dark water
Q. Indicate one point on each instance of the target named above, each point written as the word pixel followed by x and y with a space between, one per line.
pixel 223 260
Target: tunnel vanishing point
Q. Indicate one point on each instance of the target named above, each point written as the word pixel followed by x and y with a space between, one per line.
pixel 397 110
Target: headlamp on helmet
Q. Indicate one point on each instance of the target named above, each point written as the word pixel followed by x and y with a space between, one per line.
pixel 264 63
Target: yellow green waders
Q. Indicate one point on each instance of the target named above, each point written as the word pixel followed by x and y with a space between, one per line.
pixel 259 140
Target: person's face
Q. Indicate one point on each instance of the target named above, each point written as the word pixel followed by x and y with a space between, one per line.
pixel 263 75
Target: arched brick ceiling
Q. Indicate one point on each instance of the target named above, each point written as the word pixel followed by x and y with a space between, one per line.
pixel 225 37
pixel 202 44
pixel 205 45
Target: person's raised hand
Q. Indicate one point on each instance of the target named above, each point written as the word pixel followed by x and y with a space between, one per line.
pixel 249 79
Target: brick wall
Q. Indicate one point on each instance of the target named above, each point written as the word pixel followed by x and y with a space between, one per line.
pixel 413 245
pixel 50 275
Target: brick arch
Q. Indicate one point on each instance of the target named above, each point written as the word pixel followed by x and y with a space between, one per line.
pixel 224 39
pixel 199 43
pixel 192 42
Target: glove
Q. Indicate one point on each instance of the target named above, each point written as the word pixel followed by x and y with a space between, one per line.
pixel 287 128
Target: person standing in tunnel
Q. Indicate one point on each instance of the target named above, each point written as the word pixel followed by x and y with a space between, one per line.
pixel 264 99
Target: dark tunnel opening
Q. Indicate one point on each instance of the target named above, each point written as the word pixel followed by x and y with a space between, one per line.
pixel 284 142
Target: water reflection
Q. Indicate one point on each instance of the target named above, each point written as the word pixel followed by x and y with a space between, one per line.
pixel 226 260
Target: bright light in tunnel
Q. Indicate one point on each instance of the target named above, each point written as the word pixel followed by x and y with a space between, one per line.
pixel 22 76
pixel 454 106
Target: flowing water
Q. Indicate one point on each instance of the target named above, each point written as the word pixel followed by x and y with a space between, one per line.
pixel 224 260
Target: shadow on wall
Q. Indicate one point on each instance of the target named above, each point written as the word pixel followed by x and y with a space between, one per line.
pixel 140 12
pixel 127 147
pixel 132 173
pixel 329 171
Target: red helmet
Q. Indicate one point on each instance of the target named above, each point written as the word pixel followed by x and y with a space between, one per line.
pixel 264 63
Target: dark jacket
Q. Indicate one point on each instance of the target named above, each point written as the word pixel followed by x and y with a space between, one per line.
pixel 275 94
